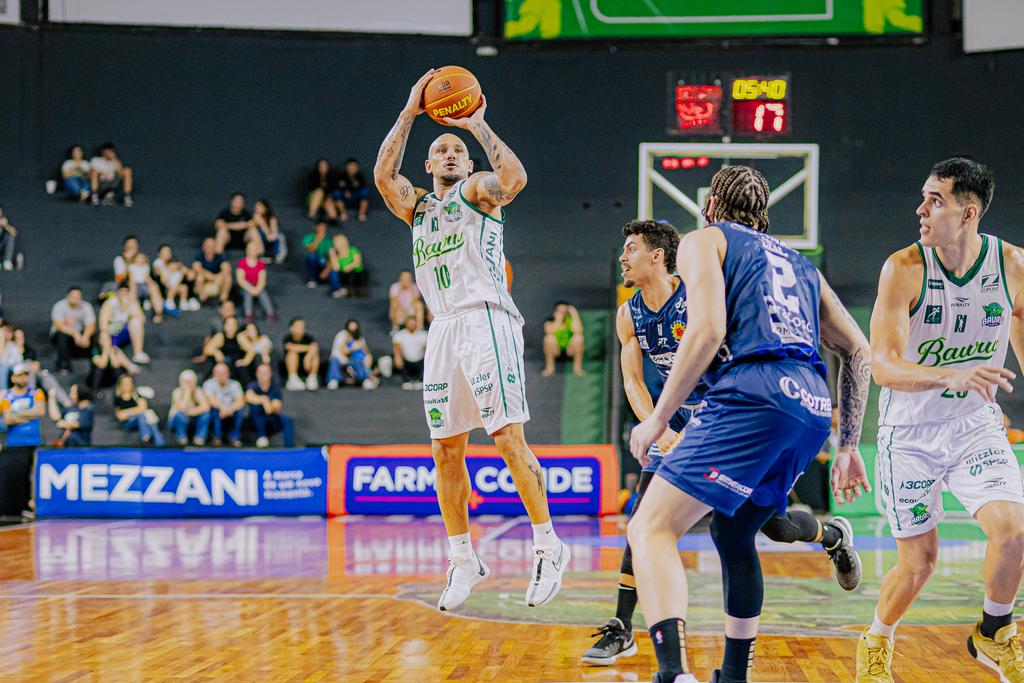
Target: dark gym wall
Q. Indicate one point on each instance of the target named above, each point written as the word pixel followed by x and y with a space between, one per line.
pixel 200 113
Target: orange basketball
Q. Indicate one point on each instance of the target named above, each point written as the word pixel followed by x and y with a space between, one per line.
pixel 453 92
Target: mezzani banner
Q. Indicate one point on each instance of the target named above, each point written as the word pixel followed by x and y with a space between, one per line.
pixel 124 482
pixel 389 480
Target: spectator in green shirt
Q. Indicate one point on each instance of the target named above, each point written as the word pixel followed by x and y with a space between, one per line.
pixel 345 270
pixel 318 250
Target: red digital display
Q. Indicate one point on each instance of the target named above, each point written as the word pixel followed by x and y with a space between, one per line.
pixel 699 109
pixel 760 117
pixel 676 163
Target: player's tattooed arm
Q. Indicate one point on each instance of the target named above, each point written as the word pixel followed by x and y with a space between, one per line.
pixel 500 186
pixel 398 193
pixel 841 335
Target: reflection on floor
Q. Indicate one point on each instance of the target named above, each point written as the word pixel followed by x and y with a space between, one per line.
pixel 353 599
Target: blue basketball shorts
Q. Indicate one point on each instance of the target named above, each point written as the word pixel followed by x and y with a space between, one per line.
pixel 761 426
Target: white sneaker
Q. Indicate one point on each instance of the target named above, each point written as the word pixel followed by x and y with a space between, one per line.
pixel 312 384
pixel 262 442
pixel 8 265
pixel 147 305
pixel 463 574
pixel 370 383
pixel 332 385
pixel 141 358
pixel 385 365
pixel 549 565
pixel 295 384
pixel 407 386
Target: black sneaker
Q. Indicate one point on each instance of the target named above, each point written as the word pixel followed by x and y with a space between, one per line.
pixel 845 561
pixel 615 642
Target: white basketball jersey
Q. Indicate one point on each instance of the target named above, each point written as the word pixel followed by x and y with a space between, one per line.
pixel 458 254
pixel 959 323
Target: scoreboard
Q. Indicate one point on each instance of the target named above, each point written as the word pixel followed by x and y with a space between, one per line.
pixel 729 105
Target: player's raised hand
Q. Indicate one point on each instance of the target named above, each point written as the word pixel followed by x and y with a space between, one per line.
pixel 982 379
pixel 643 435
pixel 415 103
pixel 849 477
pixel 467 122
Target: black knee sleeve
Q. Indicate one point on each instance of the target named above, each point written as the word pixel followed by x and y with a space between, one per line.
pixel 641 487
pixel 742 583
pixel 792 527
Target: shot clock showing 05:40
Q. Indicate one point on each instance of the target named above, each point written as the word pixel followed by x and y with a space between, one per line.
pixel 760 105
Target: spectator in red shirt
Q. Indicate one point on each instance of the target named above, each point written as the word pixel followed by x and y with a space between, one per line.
pixel 251 276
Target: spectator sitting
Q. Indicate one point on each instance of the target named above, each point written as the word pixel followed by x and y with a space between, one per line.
pixel 563 335
pixel 146 290
pixel 212 272
pixel 345 271
pixel 227 400
pixel 73 324
pixel 224 346
pixel 265 409
pixel 350 359
pixel 74 419
pixel 270 232
pixel 174 279
pixel 75 174
pixel 251 276
pixel 9 243
pixel 129 248
pixel 189 409
pixel 318 250
pixel 257 348
pixel 107 175
pixel 121 322
pixel 233 223
pixel 410 346
pixel 406 301
pixel 355 193
pixel 323 183
pixel 107 364
pixel 301 351
pixel 132 411
pixel 13 352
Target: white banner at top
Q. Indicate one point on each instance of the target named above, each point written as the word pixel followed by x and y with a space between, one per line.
pixel 436 17
pixel 10 11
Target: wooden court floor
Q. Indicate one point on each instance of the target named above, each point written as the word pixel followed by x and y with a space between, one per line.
pixel 352 600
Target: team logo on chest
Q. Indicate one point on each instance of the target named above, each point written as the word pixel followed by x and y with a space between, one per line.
pixel 993 315
pixel 453 212
pixel 677 330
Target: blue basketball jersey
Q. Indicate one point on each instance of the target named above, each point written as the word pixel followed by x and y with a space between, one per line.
pixel 658 335
pixel 772 298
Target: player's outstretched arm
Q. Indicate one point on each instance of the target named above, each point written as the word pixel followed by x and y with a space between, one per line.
pixel 841 335
pixel 398 193
pixel 499 187
pixel 699 261
pixel 898 290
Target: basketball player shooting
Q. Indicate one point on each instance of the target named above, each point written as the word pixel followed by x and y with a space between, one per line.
pixel 473 370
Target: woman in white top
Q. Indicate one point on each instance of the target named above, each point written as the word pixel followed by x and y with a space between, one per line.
pixel 145 289
pixel 189 408
pixel 75 173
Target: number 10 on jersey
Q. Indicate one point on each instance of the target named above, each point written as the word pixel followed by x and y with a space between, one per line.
pixel 443 276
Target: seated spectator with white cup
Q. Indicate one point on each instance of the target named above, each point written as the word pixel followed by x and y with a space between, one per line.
pixel 410 346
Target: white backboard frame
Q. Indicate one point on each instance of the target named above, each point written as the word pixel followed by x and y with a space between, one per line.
pixel 649 178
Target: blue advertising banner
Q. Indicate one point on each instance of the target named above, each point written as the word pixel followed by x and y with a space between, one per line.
pixel 388 480
pixel 125 482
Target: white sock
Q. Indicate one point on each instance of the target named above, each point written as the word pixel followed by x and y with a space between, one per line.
pixel 461 546
pixel 544 535
pixel 882 629
pixel 997 609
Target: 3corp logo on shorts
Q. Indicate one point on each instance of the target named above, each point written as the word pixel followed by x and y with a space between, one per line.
pixel 816 405
pixel 715 475
pixel 918 484
pixel 436 387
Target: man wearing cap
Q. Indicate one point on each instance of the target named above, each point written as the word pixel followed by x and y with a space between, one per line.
pixel 22 407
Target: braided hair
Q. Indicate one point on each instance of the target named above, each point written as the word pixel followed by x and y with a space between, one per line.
pixel 741 195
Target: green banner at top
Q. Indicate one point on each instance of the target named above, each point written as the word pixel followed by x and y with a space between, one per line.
pixel 602 19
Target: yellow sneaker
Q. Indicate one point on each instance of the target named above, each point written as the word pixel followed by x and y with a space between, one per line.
pixel 1004 652
pixel 874 658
